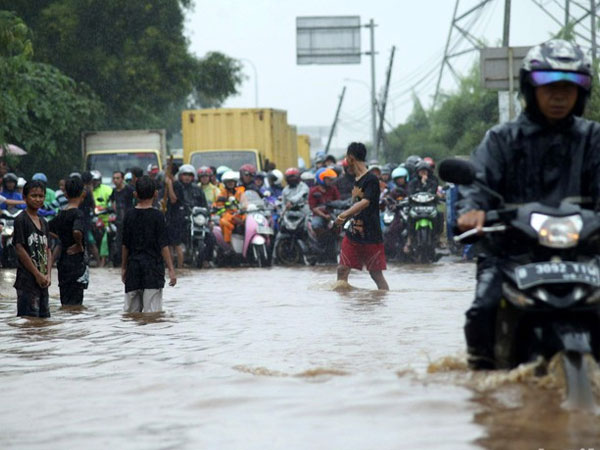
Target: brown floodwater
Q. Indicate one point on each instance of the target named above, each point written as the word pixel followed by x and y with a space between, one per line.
pixel 271 358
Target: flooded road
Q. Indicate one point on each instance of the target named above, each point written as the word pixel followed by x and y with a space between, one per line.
pixel 270 358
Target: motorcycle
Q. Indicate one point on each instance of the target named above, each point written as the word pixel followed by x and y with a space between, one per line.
pixel 422 218
pixel 550 302
pixel 395 233
pixel 8 253
pixel 326 248
pixel 198 249
pixel 249 241
pixel 290 246
pixel 105 234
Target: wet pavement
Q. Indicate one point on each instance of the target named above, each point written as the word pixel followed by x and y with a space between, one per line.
pixel 271 358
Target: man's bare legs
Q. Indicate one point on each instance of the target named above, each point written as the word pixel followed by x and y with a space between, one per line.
pixel 377 276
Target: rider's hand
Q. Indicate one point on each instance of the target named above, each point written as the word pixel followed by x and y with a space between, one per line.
pixel 471 219
pixel 339 220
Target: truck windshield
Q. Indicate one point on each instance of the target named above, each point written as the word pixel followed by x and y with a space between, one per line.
pixel 107 163
pixel 233 159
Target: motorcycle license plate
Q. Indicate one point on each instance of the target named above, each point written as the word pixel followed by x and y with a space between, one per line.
pixel 556 272
pixel 264 230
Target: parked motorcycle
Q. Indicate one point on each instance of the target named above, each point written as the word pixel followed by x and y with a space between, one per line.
pixel 290 246
pixel 250 241
pixel 422 218
pixel 8 253
pixel 551 284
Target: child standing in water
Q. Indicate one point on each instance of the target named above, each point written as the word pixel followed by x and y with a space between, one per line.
pixel 69 227
pixel 34 256
pixel 145 247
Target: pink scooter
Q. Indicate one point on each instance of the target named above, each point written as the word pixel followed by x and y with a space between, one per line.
pixel 251 246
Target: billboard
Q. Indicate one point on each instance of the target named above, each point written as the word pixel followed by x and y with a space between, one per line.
pixel 328 40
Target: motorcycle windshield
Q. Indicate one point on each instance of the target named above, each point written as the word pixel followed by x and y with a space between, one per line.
pixel 253 198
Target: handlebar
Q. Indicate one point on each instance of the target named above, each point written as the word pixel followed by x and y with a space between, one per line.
pixel 475 231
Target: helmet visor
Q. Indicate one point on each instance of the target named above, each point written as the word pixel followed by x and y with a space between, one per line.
pixel 543 77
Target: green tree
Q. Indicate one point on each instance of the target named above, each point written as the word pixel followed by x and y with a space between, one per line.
pixel 455 127
pixel 41 109
pixel 133 54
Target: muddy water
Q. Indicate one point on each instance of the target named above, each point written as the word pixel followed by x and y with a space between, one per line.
pixel 271 358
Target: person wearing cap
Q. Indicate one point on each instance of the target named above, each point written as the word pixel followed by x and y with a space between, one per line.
pixel 50 194
pixel 153 171
pixel 547 154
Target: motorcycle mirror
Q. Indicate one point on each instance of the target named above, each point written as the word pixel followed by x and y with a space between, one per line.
pixel 457 171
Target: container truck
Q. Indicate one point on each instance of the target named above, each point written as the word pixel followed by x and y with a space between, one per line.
pixel 233 137
pixel 304 149
pixel 108 151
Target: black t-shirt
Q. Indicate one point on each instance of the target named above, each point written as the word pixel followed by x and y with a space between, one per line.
pixel 144 235
pixel 35 243
pixel 176 211
pixel 71 268
pixel 87 207
pixel 63 225
pixel 123 200
pixel 365 227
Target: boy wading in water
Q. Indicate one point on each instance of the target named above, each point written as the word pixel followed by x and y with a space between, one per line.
pixel 145 246
pixel 363 243
pixel 35 257
pixel 69 227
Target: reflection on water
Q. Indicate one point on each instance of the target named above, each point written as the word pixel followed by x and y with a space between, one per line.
pixel 271 358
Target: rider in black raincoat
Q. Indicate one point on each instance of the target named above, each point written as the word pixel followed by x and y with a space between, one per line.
pixel 548 154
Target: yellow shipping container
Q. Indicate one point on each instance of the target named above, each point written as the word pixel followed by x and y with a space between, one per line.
pixel 293 147
pixel 304 148
pixel 233 137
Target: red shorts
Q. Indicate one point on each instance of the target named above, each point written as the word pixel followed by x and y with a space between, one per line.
pixel 356 255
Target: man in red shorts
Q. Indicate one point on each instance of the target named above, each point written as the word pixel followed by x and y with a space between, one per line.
pixel 363 243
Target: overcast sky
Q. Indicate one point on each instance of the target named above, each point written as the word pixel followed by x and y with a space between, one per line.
pixel 263 32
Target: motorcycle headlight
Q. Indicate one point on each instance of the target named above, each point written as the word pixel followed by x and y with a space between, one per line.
pixel 557 232
pixel 200 220
pixel 388 217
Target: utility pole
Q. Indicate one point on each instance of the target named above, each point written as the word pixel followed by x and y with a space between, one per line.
pixel 373 95
pixel 506 34
pixel 593 24
pixel 384 101
pixel 567 13
pixel 335 120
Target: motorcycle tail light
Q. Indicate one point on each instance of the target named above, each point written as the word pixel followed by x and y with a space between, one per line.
pixel 557 232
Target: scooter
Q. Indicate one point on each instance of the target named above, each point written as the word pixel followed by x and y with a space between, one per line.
pixel 290 246
pixel 8 253
pixel 550 300
pixel 251 240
